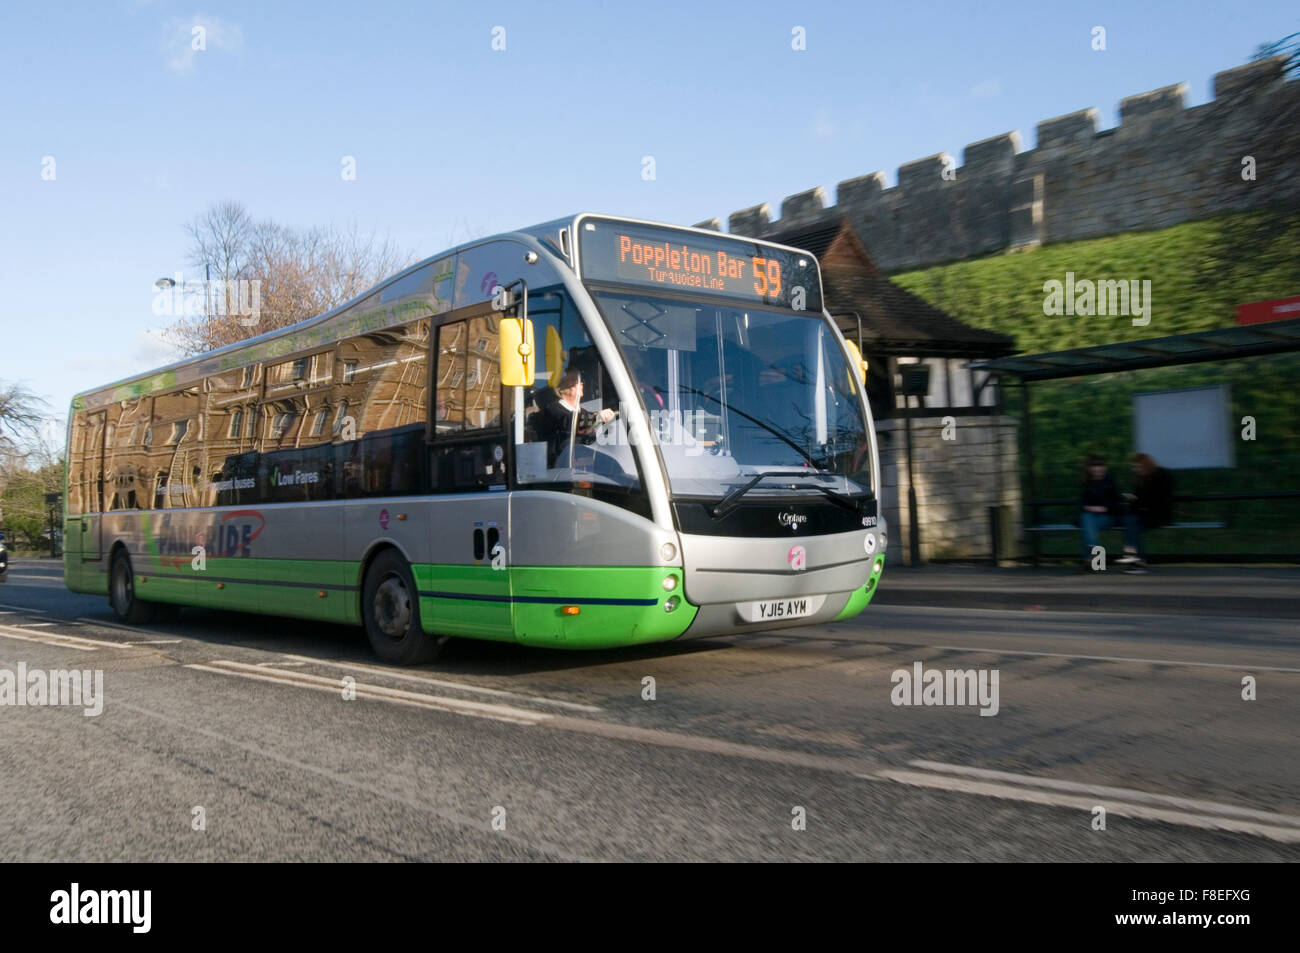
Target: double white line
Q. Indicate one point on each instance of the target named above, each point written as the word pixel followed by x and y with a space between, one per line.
pixel 459 706
pixel 59 639
pixel 1122 802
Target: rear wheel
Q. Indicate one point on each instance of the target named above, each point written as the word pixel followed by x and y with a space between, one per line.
pixel 121 592
pixel 390 610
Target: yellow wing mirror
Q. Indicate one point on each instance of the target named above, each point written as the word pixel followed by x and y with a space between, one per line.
pixel 857 362
pixel 554 355
pixel 518 354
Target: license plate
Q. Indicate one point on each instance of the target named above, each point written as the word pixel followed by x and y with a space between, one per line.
pixel 777 610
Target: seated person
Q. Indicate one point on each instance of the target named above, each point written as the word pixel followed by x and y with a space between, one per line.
pixel 559 420
pixel 1150 506
pixel 1099 505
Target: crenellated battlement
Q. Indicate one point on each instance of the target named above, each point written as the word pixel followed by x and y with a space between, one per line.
pixel 1163 164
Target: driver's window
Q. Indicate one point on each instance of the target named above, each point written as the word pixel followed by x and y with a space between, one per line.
pixel 564 437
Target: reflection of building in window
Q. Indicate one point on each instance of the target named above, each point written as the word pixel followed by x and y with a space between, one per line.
pixel 382 376
pixel 236 422
pixel 179 428
pixel 322 417
pixel 469 388
pixel 280 425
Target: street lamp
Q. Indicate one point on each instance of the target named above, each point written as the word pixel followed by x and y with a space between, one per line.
pixel 164 284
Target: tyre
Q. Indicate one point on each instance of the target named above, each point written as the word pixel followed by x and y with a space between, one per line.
pixel 390 611
pixel 121 592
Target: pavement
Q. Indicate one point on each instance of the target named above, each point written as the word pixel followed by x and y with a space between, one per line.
pixel 1205 591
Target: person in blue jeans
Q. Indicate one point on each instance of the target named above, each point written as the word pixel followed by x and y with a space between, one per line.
pixel 1099 505
pixel 1149 506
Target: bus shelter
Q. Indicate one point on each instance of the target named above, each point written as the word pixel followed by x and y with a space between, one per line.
pixel 1220 345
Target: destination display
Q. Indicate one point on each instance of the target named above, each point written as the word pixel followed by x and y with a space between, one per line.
pixel 670 259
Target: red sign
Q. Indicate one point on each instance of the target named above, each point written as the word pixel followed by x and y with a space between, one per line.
pixel 1261 311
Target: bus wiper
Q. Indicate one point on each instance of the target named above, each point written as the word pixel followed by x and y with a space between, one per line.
pixel 839 499
pixel 732 499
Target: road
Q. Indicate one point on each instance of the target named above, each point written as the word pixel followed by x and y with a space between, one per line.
pixel 228 737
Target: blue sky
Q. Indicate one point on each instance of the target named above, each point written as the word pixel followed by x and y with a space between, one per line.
pixel 453 139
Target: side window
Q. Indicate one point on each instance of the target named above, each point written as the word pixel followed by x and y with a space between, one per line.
pixel 229 433
pixel 124 456
pixel 294 465
pixel 175 452
pixel 469 376
pixel 295 389
pixel 482 373
pixel 380 381
pixel 452 355
pixel 377 412
pixel 77 465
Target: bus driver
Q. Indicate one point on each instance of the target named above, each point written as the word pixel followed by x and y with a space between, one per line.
pixel 557 418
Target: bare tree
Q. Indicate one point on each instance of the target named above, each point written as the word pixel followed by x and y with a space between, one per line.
pixel 297 274
pixel 21 414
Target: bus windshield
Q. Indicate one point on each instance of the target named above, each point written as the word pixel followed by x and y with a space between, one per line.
pixel 734 392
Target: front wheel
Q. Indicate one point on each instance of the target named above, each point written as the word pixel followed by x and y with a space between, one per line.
pixel 121 593
pixel 390 610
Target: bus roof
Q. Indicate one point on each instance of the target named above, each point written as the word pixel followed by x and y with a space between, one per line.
pixel 548 236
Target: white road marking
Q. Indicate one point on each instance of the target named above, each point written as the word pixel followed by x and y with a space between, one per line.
pixel 377 692
pixel 57 639
pixel 6 605
pixel 6 633
pixel 1119 658
pixel 1100 790
pixel 36 625
pixel 444 683
pixel 118 625
pixel 1049 792
pixel 1281 830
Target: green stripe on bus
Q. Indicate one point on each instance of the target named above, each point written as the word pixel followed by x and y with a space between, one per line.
pixel 861 596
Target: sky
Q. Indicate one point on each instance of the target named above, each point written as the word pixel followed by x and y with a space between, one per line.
pixel 454 139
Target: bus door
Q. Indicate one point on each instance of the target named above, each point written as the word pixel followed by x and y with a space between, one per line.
pixel 471 543
pixel 92 524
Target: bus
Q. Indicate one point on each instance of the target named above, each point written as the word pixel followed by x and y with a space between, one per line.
pixel 596 432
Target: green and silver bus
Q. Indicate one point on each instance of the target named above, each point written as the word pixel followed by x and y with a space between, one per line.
pixel 596 432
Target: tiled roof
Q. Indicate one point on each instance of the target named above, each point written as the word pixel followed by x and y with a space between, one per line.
pixel 894 321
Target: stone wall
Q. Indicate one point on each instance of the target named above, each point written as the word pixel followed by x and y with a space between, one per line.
pixel 956 482
pixel 1162 165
